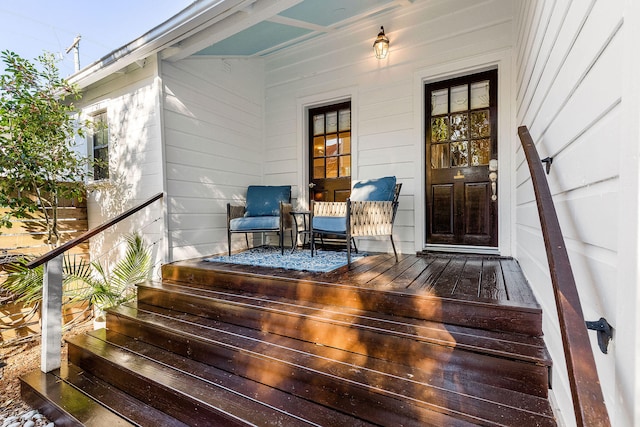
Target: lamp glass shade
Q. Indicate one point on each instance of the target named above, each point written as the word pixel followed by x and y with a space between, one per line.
pixel 381 45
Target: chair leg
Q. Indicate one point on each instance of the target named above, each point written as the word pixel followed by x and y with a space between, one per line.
pixel 229 241
pixel 394 247
pixel 354 244
pixel 312 243
pixel 246 237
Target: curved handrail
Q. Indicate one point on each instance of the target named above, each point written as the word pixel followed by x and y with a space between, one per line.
pixel 588 400
pixel 89 234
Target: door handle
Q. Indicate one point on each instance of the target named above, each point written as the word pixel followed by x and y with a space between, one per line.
pixel 312 185
pixel 493 177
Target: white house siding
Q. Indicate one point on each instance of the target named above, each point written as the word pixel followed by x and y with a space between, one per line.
pixel 132 104
pixel 570 93
pixel 387 139
pixel 213 121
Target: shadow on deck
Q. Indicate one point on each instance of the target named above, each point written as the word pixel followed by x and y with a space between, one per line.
pixel 434 340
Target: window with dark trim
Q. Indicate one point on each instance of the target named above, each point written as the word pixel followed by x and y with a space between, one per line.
pixel 100 144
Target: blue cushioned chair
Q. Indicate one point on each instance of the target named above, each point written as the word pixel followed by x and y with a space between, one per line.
pixel 369 211
pixel 267 209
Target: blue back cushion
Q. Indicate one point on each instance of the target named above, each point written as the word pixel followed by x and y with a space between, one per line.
pixel 374 190
pixel 264 200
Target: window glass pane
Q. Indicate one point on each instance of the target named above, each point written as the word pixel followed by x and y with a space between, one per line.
pixel 480 152
pixel 318 124
pixel 332 145
pixel 480 94
pixel 345 165
pixel 344 143
pixel 480 125
pixel 459 98
pixel 439 129
pixel 439 102
pixel 318 168
pixel 332 122
pixel 439 156
pixel 318 146
pixel 332 167
pixel 101 169
pixel 459 154
pixel 459 126
pixel 345 120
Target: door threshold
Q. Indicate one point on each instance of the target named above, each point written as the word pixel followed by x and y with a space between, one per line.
pixel 463 249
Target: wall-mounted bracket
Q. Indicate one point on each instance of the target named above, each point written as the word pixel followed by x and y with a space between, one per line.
pixel 548 161
pixel 604 331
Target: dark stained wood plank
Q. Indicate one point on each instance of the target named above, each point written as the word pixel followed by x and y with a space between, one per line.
pixel 468 283
pixel 65 405
pixel 445 284
pixel 429 276
pixel 493 284
pixel 385 280
pixel 411 274
pixel 517 287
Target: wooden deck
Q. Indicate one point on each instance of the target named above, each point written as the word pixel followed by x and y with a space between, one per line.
pixel 427 341
pixel 488 279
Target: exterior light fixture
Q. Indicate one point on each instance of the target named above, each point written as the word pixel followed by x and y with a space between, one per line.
pixel 381 45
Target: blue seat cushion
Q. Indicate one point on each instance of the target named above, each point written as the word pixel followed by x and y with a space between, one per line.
pixel 374 190
pixel 331 224
pixel 264 200
pixel 255 223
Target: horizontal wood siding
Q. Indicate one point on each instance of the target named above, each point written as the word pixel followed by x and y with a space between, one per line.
pixel 213 117
pixel 569 91
pixel 131 99
pixel 423 34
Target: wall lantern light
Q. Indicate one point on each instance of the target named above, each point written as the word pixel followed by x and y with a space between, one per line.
pixel 381 45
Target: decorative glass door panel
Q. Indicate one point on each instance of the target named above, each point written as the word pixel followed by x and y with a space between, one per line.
pixel 330 152
pixel 461 141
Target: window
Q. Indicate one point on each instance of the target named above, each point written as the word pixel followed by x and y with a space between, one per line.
pixel 100 143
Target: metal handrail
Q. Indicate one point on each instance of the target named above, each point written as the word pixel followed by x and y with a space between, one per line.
pixel 588 400
pixel 51 314
pixel 89 234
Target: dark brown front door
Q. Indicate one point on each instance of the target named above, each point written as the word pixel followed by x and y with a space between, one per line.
pixel 330 152
pixel 461 143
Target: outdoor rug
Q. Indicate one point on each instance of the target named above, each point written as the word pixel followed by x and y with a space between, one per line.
pixel 269 256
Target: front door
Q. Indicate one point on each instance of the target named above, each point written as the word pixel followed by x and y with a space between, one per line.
pixel 330 152
pixel 461 154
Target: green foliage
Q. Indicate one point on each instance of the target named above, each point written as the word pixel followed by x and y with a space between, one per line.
pixel 87 282
pixel 38 127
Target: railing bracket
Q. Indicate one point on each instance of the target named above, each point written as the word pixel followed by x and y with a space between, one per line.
pixel 548 161
pixel 605 333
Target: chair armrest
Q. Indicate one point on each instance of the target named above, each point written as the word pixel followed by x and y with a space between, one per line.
pixel 372 218
pixel 329 209
pixel 234 211
pixel 285 215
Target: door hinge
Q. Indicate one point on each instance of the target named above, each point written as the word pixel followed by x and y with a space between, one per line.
pixel 604 331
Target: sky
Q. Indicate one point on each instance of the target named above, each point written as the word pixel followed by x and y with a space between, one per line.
pixel 31 27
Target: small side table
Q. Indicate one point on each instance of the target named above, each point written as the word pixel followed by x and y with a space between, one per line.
pixel 305 232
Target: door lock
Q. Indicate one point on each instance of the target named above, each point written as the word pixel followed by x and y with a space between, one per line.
pixel 493 177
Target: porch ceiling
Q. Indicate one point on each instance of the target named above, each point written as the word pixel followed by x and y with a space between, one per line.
pixel 260 27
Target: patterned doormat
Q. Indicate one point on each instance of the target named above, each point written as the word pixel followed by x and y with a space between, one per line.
pixel 300 259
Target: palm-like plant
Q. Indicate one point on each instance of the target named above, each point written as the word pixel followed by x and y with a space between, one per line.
pixel 92 282
pixel 104 288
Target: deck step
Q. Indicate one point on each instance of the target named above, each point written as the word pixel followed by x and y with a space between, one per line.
pixel 251 353
pixel 516 362
pixel 71 397
pixel 199 394
pixel 508 316
pixel 209 346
